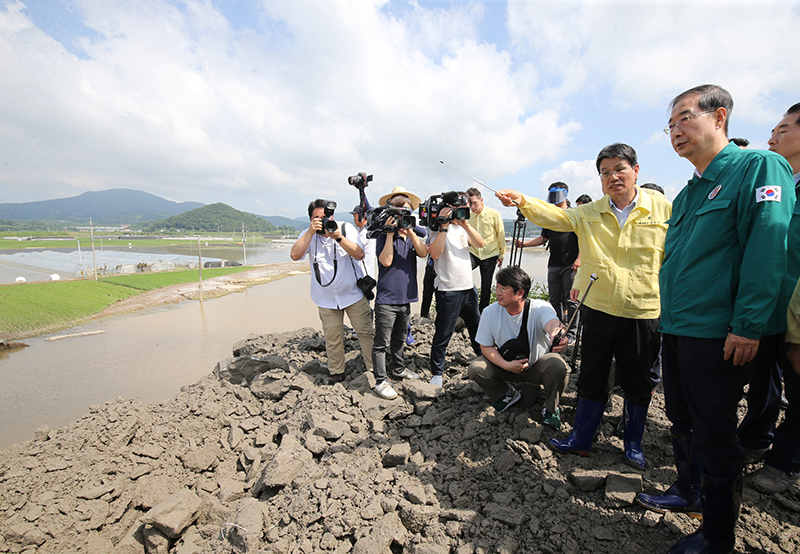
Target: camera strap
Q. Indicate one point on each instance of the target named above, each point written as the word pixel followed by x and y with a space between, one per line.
pixel 316 266
pixel 523 328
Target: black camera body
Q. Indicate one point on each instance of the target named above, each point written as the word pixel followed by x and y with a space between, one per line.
pixel 366 284
pixel 360 180
pixel 429 211
pixel 329 224
pixel 377 220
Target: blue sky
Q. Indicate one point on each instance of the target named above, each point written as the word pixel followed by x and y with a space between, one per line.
pixel 266 105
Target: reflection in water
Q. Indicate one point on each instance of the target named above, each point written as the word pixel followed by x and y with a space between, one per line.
pixel 150 355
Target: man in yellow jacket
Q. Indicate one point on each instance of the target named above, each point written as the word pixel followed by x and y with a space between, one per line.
pixel 621 240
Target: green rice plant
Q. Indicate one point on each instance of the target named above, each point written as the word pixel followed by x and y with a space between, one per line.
pixel 55 304
pixel 152 281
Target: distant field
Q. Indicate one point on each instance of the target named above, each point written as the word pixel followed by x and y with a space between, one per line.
pixel 48 306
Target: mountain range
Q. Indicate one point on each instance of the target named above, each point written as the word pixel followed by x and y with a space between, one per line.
pixel 112 207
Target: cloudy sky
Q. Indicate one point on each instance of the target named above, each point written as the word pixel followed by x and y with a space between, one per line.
pixel 267 104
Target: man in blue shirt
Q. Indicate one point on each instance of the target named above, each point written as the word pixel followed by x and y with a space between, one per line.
pixel 397 288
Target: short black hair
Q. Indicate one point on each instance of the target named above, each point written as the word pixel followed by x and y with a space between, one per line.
pixel 559 184
pixel 516 278
pixel 318 203
pixel 472 191
pixel 712 97
pixel 653 186
pixel 794 110
pixel 617 150
pixel 583 199
pixel 740 142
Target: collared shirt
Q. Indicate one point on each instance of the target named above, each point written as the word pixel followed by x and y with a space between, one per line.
pixel 622 214
pixel 340 290
pixel 368 245
pixel 397 284
pixel 489 225
pixel 724 264
pixel 625 259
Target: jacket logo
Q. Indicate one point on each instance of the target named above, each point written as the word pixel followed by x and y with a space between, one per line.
pixel 713 193
pixel 768 194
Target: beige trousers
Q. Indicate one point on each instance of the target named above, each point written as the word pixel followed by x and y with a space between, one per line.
pixel 332 322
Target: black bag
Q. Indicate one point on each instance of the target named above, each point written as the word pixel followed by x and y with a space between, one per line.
pixel 518 348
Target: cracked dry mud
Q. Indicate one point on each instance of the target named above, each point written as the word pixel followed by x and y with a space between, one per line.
pixel 262 456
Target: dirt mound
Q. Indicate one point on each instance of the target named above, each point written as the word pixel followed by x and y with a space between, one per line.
pixel 262 456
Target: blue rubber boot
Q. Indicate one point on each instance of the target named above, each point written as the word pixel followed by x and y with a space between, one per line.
pixel 684 494
pixel 635 417
pixel 587 418
pixel 722 500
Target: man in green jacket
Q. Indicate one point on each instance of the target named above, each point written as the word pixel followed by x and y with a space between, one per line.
pixel 621 240
pixel 724 263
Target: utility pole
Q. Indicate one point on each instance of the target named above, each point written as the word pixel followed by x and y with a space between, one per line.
pixel 94 258
pixel 80 257
pixel 200 268
pixel 244 244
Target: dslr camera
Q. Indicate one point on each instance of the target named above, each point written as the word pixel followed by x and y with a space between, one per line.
pixel 429 211
pixel 328 223
pixel 377 220
pixel 366 284
pixel 359 180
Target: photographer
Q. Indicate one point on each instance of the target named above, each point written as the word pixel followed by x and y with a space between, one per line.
pixel 333 283
pixel 512 356
pixel 397 288
pixel 455 294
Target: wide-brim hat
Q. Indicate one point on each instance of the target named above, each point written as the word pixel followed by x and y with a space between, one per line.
pixel 413 198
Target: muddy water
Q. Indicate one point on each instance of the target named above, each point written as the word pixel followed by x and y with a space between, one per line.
pixel 150 355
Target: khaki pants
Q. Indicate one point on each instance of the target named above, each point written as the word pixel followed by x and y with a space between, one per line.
pixel 549 371
pixel 332 322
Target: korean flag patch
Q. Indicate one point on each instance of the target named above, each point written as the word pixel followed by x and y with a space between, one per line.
pixel 768 194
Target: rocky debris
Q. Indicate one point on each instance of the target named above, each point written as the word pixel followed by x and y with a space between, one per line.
pixel 263 456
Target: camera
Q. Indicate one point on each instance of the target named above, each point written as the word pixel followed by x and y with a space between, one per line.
pixel 429 210
pixel 359 180
pixel 328 223
pixel 366 284
pixel 377 220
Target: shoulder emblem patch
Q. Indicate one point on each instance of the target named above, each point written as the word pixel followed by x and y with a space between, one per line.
pixel 768 194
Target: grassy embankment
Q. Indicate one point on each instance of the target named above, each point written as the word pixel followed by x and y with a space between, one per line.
pixel 121 244
pixel 36 308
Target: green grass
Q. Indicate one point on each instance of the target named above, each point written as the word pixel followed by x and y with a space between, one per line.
pixel 36 308
pixel 152 281
pixel 55 304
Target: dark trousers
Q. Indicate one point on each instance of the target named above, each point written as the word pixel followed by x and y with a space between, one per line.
pixel 785 451
pixel 391 327
pixel 427 289
pixel 487 267
pixel 633 343
pixel 764 395
pixel 701 395
pixel 559 283
pixel 449 306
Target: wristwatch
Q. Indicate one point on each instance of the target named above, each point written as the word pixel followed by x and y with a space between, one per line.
pixel 338 239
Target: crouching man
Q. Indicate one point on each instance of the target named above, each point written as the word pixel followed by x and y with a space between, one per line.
pixel 333 283
pixel 526 359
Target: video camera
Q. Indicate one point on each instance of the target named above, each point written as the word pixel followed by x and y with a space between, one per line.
pixel 377 220
pixel 360 180
pixel 329 225
pixel 429 210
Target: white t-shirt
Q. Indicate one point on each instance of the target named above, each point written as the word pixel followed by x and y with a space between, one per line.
pixel 497 327
pixel 454 268
pixel 342 291
pixel 370 258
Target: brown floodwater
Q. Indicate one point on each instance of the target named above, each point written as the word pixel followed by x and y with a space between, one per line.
pixel 151 354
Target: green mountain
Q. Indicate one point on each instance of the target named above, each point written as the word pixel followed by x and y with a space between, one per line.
pixel 214 217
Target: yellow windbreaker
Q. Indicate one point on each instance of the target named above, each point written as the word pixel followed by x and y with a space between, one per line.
pixel 626 260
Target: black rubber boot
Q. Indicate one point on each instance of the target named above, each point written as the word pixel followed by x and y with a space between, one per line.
pixel 721 500
pixel 684 495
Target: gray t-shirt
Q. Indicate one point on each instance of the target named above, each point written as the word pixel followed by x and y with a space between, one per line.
pixel 497 327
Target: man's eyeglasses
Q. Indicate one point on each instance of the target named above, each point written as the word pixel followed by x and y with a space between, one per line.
pixel 619 172
pixel 684 120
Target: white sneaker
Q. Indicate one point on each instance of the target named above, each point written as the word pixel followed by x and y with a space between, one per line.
pixel 436 380
pixel 385 390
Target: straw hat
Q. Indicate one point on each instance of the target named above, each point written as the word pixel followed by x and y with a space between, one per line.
pixel 412 198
